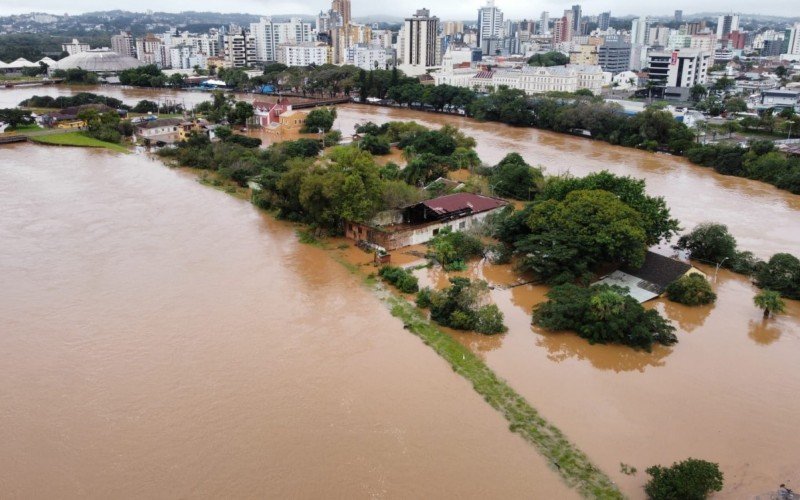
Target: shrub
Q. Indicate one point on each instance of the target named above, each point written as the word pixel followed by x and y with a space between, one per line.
pixel 691 479
pixel 461 306
pixel 692 290
pixel 400 278
pixel 452 249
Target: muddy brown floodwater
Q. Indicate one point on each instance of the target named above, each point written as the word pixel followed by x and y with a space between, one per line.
pixel 159 339
pixel 727 392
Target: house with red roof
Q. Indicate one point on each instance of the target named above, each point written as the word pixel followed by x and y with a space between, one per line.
pixel 267 113
pixel 420 222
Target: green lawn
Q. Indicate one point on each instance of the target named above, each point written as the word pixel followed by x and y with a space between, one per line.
pixel 78 139
pixel 24 128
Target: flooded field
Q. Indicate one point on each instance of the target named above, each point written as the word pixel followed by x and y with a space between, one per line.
pixel 161 339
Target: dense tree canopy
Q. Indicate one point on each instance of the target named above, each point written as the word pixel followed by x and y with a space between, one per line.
pixel 691 479
pixel 569 238
pixel 691 290
pixel 514 178
pixel 319 119
pixel 603 314
pixel 552 58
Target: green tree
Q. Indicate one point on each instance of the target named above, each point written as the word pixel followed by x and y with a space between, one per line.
pixel 514 178
pixel 698 92
pixel 692 290
pixel 771 302
pixel 552 58
pixel 781 274
pixel 735 105
pixel 709 242
pixel 691 479
pixel 570 237
pixel 319 119
pixel 603 314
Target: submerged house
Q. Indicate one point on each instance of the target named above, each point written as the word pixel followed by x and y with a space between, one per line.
pixel 418 223
pixel 652 278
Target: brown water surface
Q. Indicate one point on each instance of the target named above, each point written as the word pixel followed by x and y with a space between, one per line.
pixel 727 392
pixel 159 339
pixel 763 219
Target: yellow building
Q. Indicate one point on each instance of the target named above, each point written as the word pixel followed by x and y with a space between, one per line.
pixel 69 124
pixel 584 54
pixel 292 120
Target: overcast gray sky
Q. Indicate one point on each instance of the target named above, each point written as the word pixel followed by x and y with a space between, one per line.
pixel 445 9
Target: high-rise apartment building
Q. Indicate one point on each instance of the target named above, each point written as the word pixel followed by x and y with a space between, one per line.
pixel 639 31
pixel 794 40
pixel 268 34
pixel 490 22
pixel 544 23
pixel 726 24
pixel 576 20
pixel 124 44
pixel 604 21
pixel 419 41
pixel 679 16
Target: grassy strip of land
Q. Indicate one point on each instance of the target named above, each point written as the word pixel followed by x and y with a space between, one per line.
pixel 571 463
pixel 77 139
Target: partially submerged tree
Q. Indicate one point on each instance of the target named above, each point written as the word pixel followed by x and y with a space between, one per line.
pixel 691 479
pixel 603 314
pixel 771 302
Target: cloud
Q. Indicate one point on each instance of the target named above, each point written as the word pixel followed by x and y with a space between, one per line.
pixel 450 9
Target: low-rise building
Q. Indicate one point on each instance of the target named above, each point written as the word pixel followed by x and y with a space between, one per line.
pixel 652 278
pixel 780 99
pixel 166 130
pixel 419 223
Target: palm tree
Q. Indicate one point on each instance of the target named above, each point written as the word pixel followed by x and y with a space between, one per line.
pixel 771 302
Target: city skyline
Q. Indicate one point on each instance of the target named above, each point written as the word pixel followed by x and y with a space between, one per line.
pixel 513 9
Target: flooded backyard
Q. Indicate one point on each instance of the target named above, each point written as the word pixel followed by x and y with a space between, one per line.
pixel 161 329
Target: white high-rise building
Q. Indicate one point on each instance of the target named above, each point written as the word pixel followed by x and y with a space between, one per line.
pixel 639 31
pixel 124 44
pixel 794 40
pixel 268 35
pixel 544 23
pixel 490 22
pixel 418 43
pixel 726 24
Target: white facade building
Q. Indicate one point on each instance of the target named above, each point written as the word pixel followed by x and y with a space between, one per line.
pixel 369 57
pixel 304 54
pixel 418 43
pixel 490 22
pixel 75 47
pixel 794 40
pixel 269 34
pixel 679 68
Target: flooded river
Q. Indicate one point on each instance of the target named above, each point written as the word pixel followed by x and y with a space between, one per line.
pixel 147 310
pixel 160 339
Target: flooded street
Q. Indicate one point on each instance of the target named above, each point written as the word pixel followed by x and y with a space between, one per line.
pixel 154 328
pixel 161 339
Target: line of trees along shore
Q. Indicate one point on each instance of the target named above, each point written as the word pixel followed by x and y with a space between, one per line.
pixel 580 112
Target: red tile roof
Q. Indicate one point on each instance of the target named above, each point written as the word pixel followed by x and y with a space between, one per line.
pixel 460 201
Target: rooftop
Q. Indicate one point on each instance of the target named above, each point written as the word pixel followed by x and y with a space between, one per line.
pixel 460 201
pixel 98 61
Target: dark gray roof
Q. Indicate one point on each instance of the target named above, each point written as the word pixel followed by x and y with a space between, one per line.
pixel 659 270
